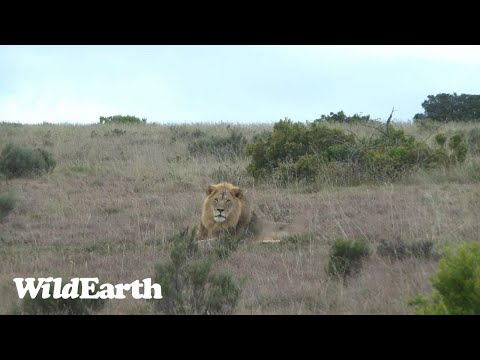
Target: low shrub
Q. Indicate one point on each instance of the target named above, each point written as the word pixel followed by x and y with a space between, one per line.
pixel 456 287
pixel 17 161
pixel 346 257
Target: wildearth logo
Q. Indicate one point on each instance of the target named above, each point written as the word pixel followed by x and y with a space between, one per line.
pixel 85 288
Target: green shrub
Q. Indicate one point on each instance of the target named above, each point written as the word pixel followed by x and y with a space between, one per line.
pixel 440 139
pixel 399 250
pixel 223 295
pixel 7 204
pixel 387 156
pixel 220 146
pixel 456 287
pixel 189 286
pixel 346 257
pixel 296 149
pixel 122 119
pixel 16 161
pixel 459 148
pixel 341 117
pixel 297 152
pixel 51 306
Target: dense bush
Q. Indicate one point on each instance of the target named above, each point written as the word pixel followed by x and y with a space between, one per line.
pixel 122 119
pixel 221 146
pixel 16 161
pixel 296 148
pixel 458 147
pixel 189 286
pixel 297 151
pixel 7 204
pixel 447 107
pixel 341 117
pixel 346 257
pixel 456 288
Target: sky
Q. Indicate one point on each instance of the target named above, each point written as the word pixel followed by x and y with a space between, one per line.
pixel 235 83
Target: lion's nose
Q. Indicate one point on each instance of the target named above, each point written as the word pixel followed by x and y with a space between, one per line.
pixel 220 210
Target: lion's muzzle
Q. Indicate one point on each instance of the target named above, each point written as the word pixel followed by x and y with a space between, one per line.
pixel 219 215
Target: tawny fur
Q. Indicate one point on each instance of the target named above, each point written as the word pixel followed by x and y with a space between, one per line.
pixel 242 219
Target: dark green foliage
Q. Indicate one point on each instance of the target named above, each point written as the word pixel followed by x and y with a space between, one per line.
pixel 122 119
pixel 341 117
pixel 296 149
pixel 307 152
pixel 447 107
pixel 51 306
pixel 223 295
pixel 388 156
pixel 17 161
pixel 7 204
pixel 459 148
pixel 222 147
pixel 456 288
pixel 399 250
pixel 189 286
pixel 347 257
pixel 440 139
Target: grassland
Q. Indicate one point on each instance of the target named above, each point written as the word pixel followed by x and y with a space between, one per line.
pixel 118 193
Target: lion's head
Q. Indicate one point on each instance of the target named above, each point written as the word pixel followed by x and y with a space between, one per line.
pixel 225 208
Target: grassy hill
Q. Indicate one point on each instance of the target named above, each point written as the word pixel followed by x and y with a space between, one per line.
pixel 119 191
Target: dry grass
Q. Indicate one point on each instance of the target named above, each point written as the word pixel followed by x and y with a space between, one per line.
pixel 113 200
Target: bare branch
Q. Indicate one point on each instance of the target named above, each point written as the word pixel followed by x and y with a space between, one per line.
pixel 389 120
pixel 374 127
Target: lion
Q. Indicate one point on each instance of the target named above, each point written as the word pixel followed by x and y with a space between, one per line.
pixel 227 209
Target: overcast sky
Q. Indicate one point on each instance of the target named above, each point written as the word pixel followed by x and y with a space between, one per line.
pixel 237 83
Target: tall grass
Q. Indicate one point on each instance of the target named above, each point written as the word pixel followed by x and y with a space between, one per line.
pixel 118 192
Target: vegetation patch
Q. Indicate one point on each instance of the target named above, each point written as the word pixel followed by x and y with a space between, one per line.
pixel 346 257
pixel 189 283
pixel 18 161
pixel 456 287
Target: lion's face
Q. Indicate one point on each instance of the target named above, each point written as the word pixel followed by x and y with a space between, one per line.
pixel 222 204
pixel 225 209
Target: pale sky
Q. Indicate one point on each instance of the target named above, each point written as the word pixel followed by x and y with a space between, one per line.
pixel 235 83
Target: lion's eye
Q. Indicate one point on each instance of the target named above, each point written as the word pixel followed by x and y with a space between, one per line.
pixel 227 202
pixel 216 200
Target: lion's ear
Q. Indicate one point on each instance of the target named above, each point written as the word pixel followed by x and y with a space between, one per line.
pixel 237 192
pixel 211 189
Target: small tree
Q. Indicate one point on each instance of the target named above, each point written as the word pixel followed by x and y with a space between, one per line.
pixel 448 107
pixel 189 286
pixel 456 288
